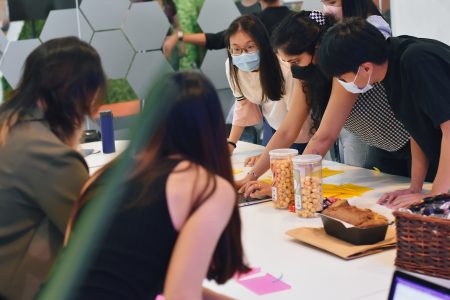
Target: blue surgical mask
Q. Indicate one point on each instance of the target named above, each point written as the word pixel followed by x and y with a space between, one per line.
pixel 247 62
pixel 353 88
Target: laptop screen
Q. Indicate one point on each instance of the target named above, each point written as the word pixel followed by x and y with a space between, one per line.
pixel 406 287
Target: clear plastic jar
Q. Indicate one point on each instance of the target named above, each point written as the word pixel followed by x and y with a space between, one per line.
pixel 282 177
pixel 308 184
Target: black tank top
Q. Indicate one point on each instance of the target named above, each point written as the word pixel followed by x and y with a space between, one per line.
pixel 133 260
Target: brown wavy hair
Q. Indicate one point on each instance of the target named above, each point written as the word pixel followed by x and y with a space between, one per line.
pixel 65 78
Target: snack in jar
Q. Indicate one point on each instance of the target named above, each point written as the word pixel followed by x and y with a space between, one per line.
pixel 308 184
pixel 282 177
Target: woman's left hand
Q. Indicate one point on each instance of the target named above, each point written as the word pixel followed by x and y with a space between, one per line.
pixel 256 189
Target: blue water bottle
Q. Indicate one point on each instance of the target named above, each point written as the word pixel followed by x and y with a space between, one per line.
pixel 107 130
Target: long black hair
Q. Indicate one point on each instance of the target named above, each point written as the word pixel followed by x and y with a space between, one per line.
pixel 298 34
pixel 359 8
pixel 194 130
pixel 270 74
pixel 62 76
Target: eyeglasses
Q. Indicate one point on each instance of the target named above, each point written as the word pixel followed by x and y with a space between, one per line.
pixel 235 51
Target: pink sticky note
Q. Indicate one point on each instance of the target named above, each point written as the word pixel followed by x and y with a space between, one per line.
pixel 253 271
pixel 265 284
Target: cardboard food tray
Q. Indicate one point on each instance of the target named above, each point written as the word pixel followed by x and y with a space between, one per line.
pixel 352 234
pixel 317 237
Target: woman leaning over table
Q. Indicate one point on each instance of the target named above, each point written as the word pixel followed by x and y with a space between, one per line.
pixel 260 82
pixel 41 171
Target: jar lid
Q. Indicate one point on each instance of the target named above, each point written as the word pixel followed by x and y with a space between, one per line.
pixel 283 152
pixel 307 158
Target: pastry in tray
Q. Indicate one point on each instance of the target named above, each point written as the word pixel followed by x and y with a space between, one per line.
pixel 361 218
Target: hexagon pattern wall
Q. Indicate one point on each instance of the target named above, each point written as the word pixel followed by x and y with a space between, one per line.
pixel 105 14
pixel 145 69
pixel 216 16
pixel 146 26
pixel 115 51
pixel 123 32
pixel 63 22
pixel 214 67
pixel 14 59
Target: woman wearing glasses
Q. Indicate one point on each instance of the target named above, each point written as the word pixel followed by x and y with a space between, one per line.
pixel 260 82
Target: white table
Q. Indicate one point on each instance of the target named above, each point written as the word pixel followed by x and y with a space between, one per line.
pixel 98 159
pixel 312 273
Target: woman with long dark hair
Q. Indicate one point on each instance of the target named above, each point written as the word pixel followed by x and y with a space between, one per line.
pixel 179 221
pixel 260 82
pixel 41 171
pixel 296 41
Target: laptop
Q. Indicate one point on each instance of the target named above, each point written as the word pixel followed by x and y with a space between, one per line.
pixel 408 287
pixel 246 201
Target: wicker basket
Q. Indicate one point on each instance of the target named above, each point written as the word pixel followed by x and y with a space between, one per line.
pixel 423 244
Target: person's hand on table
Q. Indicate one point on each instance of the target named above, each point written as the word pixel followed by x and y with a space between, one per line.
pixel 250 161
pixel 400 198
pixel 240 183
pixel 256 189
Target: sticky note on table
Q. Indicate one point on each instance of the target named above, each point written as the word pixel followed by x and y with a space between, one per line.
pixel 345 191
pixel 265 284
pixel 267 180
pixel 328 172
pixel 237 171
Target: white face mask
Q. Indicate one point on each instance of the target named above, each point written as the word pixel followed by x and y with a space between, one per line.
pixel 335 11
pixel 353 88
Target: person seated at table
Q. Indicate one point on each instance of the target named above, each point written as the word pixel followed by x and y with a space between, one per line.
pixel 259 81
pixel 41 171
pixel 179 214
pixel 416 73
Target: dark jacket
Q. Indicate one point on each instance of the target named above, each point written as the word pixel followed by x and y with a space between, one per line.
pixel 40 178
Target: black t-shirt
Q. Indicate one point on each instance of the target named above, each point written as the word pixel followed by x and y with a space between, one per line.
pixel 247 10
pixel 418 86
pixel 271 17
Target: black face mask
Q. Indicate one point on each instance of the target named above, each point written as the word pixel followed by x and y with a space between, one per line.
pixel 303 73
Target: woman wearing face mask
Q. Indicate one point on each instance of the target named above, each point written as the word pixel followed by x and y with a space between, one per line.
pixel 308 100
pixel 367 116
pixel 257 79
